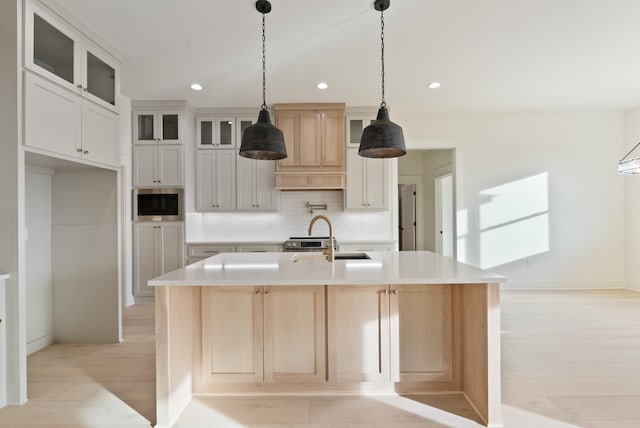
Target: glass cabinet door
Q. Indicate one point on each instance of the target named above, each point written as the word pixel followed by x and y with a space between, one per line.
pixel 226 131
pixel 170 127
pixel 145 127
pixel 204 132
pixel 243 123
pixel 101 79
pixel 355 126
pixel 53 50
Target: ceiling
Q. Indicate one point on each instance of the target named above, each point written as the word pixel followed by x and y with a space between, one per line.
pixel 489 55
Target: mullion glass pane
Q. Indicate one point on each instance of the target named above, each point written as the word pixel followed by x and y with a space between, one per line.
pixel 206 133
pixel 145 127
pixel 52 50
pixel 169 126
pixel 101 79
pixel 225 133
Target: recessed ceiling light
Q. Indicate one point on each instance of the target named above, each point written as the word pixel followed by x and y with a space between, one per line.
pixel 433 85
pixel 322 85
pixel 196 86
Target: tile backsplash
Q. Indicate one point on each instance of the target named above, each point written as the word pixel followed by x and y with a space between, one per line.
pixel 291 220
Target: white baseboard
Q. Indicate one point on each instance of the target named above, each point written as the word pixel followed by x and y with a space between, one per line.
pixel 40 343
pixel 633 286
pixel 564 285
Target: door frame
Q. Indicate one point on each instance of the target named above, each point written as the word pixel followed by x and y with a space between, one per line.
pixel 417 180
pixel 438 209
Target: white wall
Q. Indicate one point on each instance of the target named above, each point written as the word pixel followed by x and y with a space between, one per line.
pixel 38 278
pixel 539 198
pixel 632 203
pixel 11 194
pixel 126 257
pixel 85 256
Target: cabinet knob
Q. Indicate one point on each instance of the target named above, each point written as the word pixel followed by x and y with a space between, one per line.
pixel 266 292
pixel 79 86
pixel 86 152
pixel 257 292
pixel 394 291
pixel 79 150
pixel 85 89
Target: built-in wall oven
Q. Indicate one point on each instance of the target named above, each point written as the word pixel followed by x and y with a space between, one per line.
pixel 158 204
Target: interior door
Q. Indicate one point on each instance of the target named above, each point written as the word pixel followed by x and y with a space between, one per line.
pixel 407 216
pixel 444 215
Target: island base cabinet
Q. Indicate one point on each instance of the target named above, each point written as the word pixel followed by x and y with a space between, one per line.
pixel 294 333
pixel 422 339
pixel 259 334
pixel 358 333
pixel 232 334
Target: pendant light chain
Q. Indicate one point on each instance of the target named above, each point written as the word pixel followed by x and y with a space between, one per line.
pixel 264 68
pixel 383 103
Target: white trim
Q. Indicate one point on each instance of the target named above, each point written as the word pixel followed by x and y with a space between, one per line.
pixel 40 343
pixel 563 285
pixel 419 182
pixel 633 286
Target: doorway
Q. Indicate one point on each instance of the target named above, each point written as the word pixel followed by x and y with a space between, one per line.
pixel 407 216
pixel 427 179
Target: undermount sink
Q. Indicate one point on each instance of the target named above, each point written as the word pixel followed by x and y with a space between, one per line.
pixel 351 256
pixel 298 257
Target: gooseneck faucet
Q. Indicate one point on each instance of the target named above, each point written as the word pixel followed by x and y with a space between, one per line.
pixel 329 251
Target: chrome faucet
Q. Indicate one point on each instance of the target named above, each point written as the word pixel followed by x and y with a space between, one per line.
pixel 329 251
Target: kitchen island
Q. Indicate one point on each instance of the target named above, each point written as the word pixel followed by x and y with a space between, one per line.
pixel 288 324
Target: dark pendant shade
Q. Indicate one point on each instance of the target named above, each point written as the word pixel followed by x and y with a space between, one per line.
pixel 382 139
pixel 262 140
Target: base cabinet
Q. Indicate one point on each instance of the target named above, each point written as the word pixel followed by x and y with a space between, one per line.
pixel 263 334
pixel 158 249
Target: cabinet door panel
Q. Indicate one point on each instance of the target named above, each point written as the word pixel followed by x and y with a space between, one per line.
pixel 100 134
pixel 100 76
pixel 144 127
pixel 310 139
pixel 287 122
pixel 294 348
pixel 423 351
pixel 204 132
pixel 147 262
pixel 266 196
pixel 144 165
pixel 170 165
pixel 170 127
pixel 172 247
pixel 333 139
pixel 225 179
pixel 232 334
pixel 53 117
pixel 246 182
pixel 205 173
pixel 358 320
pixel 376 174
pixel 356 180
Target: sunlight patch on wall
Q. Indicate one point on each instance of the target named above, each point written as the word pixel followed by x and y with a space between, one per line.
pixel 514 221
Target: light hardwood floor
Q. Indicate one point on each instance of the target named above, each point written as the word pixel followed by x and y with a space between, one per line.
pixel 569 358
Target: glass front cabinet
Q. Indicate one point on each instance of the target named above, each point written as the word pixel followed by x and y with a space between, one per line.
pixel 59 52
pixel 157 127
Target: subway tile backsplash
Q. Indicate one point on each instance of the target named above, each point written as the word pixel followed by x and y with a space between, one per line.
pixel 292 220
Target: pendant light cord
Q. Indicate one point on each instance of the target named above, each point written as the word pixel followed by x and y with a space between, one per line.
pixel 383 103
pixel 264 69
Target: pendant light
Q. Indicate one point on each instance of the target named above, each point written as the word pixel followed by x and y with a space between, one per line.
pixel 383 138
pixel 262 140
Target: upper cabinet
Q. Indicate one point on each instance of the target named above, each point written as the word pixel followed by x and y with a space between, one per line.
pixel 314 136
pixel 355 125
pixel 151 127
pixel 221 131
pixel 61 53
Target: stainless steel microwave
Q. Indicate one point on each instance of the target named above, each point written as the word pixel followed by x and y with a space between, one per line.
pixel 158 204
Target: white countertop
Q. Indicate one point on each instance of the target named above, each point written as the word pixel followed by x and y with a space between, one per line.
pixel 4 276
pixel 385 267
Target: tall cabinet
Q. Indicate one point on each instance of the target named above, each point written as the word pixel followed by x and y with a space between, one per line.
pixel 71 89
pixel 160 130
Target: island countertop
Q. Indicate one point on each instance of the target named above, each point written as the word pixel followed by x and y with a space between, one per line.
pixel 384 267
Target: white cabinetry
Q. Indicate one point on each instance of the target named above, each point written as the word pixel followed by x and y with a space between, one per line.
pixel 197 252
pixel 157 166
pixel 62 54
pixel 158 249
pixel 367 182
pixel 3 342
pixel 216 180
pixel 157 127
pixel 62 122
pixel 256 181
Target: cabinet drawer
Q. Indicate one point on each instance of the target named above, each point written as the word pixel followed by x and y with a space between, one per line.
pixel 318 181
pixel 204 251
